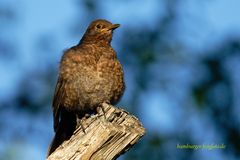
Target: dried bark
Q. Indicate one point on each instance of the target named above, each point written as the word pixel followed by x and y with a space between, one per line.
pixel 105 138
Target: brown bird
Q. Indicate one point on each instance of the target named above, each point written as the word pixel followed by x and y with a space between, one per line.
pixel 89 75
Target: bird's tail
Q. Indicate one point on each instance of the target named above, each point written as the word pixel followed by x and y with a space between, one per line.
pixel 65 130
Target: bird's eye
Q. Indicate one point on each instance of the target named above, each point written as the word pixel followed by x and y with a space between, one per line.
pixel 98 26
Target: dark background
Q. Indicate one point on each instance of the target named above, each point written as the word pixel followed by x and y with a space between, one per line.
pixel 181 60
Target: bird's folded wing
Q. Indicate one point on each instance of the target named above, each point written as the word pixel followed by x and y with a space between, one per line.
pixel 57 101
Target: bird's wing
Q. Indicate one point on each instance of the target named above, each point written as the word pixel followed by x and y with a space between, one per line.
pixel 57 100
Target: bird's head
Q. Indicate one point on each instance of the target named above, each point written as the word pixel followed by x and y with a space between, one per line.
pixel 99 31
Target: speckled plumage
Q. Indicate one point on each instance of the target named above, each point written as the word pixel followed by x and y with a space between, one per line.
pixel 89 75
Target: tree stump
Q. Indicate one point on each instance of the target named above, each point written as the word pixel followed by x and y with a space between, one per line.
pixel 105 138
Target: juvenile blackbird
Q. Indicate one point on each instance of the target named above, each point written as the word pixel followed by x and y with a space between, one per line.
pixel 89 75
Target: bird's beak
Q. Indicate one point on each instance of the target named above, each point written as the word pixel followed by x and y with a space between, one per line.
pixel 114 26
